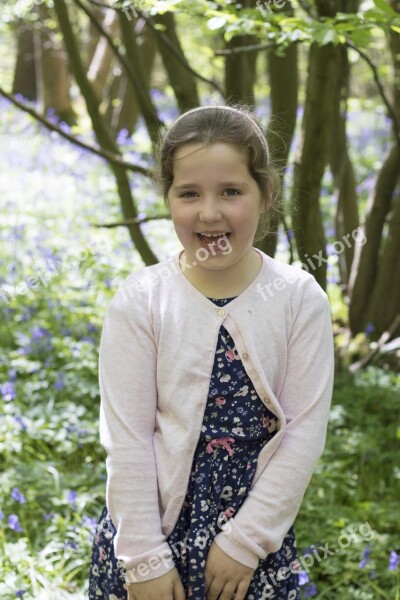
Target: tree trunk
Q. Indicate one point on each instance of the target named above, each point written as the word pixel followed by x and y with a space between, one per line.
pixel 138 78
pixel 103 57
pixel 310 166
pixel 25 73
pixel 125 113
pixel 347 219
pixel 182 81
pixel 102 134
pixel 240 69
pixel 366 266
pixel 374 281
pixel 54 71
pixel 283 79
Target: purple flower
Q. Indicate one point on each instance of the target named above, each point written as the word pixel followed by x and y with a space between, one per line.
pixel 372 575
pixel 48 516
pixel 71 496
pixel 8 392
pixel 19 421
pixel 303 578
pixel 365 557
pixel 393 561
pixel 13 522
pixel 16 494
pixel 310 590
pixel 40 332
pixel 20 593
pixel 369 329
pixel 12 374
pixel 59 384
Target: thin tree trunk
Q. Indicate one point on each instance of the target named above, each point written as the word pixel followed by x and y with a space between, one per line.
pixel 127 111
pixel 103 57
pixel 240 69
pixel 140 86
pixel 24 72
pixel 374 281
pixel 102 134
pixel 54 71
pixel 310 165
pixel 283 78
pixel 347 219
pixel 182 81
pixel 366 262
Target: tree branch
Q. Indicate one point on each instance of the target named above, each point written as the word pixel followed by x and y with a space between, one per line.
pixel 133 221
pixel 109 156
pixel 149 112
pixel 167 42
pixel 390 109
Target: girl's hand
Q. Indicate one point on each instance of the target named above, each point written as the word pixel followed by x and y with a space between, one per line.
pixel 166 587
pixel 225 576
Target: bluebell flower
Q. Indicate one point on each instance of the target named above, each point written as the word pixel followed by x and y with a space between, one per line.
pixel 16 494
pixel 20 593
pixel 365 557
pixel 20 422
pixel 310 590
pixel 59 384
pixel 8 392
pixel 393 561
pixel 48 516
pixel 71 496
pixel 369 329
pixel 12 374
pixel 372 575
pixel 303 578
pixel 14 523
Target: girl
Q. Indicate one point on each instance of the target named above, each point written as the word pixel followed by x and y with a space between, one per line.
pixel 216 373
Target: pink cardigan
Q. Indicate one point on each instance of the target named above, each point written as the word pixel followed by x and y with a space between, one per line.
pixel 156 357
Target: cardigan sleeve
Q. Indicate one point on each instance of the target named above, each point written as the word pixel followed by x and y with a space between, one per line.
pixel 128 401
pixel 270 508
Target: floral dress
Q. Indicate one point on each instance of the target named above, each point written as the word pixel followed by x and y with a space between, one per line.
pixel 236 426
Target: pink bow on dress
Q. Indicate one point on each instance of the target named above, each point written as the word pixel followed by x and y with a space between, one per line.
pixel 220 442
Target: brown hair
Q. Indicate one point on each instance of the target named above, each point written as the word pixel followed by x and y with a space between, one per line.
pixel 235 125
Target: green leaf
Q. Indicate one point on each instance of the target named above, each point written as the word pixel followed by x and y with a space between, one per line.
pixel 395 28
pixel 217 22
pixel 361 37
pixel 384 7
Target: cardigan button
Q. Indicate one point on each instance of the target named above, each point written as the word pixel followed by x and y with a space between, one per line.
pixel 221 312
pixel 245 355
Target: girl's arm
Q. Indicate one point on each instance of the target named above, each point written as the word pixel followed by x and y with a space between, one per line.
pixel 270 508
pixel 128 390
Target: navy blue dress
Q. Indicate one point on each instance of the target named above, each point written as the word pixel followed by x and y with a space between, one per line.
pixel 236 426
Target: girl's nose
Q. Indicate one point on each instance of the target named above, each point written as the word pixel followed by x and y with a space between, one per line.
pixel 209 211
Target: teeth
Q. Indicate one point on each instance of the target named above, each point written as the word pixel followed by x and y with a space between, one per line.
pixel 212 234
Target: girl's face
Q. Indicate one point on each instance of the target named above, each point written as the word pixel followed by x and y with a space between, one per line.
pixel 213 192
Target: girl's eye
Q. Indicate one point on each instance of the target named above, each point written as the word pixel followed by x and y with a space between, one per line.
pixel 236 192
pixel 186 196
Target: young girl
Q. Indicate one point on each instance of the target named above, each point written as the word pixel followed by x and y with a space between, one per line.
pixel 216 372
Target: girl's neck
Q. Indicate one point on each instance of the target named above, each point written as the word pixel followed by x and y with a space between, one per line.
pixel 224 283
